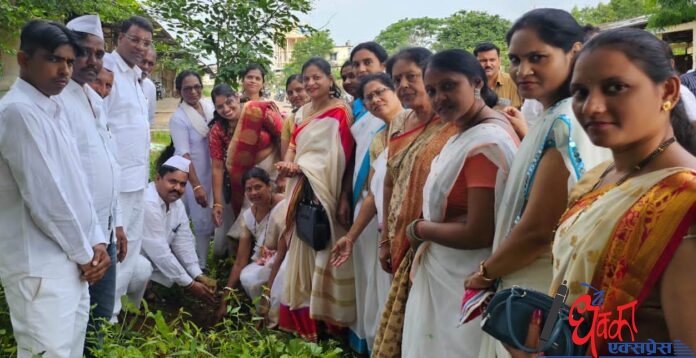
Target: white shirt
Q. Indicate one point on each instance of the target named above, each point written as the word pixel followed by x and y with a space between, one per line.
pixel 167 239
pixel 126 114
pixel 85 118
pixel 150 91
pixel 689 102
pixel 46 212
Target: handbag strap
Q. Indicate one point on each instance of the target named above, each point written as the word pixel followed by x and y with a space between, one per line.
pixel 519 345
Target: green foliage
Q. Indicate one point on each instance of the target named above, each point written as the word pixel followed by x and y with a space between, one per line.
pixel 232 33
pixel 420 32
pixel 465 29
pixel 615 10
pixel 666 13
pixel 153 333
pixel 319 43
pixel 15 13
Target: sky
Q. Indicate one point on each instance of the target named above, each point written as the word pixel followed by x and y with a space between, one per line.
pixel 362 20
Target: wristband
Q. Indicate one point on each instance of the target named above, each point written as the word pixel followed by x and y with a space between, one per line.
pixel 197 187
pixel 216 204
pixel 227 288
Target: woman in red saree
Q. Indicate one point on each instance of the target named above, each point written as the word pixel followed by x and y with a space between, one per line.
pixel 315 293
pixel 630 227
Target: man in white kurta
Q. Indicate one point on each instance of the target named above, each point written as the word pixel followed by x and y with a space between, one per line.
pixel 149 88
pixel 126 112
pixel 167 238
pixel 83 109
pixel 51 243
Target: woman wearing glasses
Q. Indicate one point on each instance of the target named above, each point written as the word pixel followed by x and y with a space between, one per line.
pixel 189 130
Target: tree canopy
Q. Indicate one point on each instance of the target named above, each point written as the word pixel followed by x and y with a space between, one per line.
pixel 420 32
pixel 232 33
pixel 615 10
pixel 15 13
pixel 670 12
pixel 318 43
pixel 465 29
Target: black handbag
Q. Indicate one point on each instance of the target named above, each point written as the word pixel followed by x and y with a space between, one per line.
pixel 508 315
pixel 311 221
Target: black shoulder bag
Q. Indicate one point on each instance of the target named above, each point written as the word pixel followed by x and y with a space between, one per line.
pixel 311 220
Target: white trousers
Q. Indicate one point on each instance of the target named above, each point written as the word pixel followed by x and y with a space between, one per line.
pixel 134 272
pixel 49 315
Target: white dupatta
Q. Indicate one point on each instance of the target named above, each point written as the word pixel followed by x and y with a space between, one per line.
pixel 198 122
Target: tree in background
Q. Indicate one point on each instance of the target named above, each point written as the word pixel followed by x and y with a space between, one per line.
pixel 465 29
pixel 318 43
pixel 15 13
pixel 421 32
pixel 615 10
pixel 232 33
pixel 670 12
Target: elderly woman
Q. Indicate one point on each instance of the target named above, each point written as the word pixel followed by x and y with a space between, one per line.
pixel 371 282
pixel 189 130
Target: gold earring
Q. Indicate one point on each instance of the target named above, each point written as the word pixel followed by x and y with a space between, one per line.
pixel 667 106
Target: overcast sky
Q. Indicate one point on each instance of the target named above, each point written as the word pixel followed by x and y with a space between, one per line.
pixel 361 20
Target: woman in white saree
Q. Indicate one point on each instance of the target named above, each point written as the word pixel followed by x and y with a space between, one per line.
pixel 317 295
pixel 459 201
pixel 371 281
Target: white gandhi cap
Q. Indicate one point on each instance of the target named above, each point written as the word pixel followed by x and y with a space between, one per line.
pixel 178 162
pixel 87 23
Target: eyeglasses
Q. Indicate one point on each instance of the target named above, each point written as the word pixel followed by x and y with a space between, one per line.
pixel 138 41
pixel 190 89
pixel 376 93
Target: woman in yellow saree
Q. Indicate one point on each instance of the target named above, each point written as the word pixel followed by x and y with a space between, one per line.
pixel 631 233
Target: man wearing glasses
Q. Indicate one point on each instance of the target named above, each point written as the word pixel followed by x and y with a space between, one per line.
pixel 126 110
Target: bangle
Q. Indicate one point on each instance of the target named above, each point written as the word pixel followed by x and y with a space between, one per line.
pixel 216 204
pixel 227 288
pixel 197 187
pixel 411 230
pixel 483 273
pixel 383 243
pixel 190 284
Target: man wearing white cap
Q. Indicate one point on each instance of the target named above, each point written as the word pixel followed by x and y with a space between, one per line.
pixel 126 111
pixel 83 109
pixel 51 243
pixel 167 239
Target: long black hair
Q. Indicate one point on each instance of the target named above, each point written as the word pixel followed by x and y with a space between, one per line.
pixel 221 90
pixel 325 67
pixel 555 27
pixel 463 62
pixel 416 55
pixel 654 57
pixel 373 47
pixel 255 66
